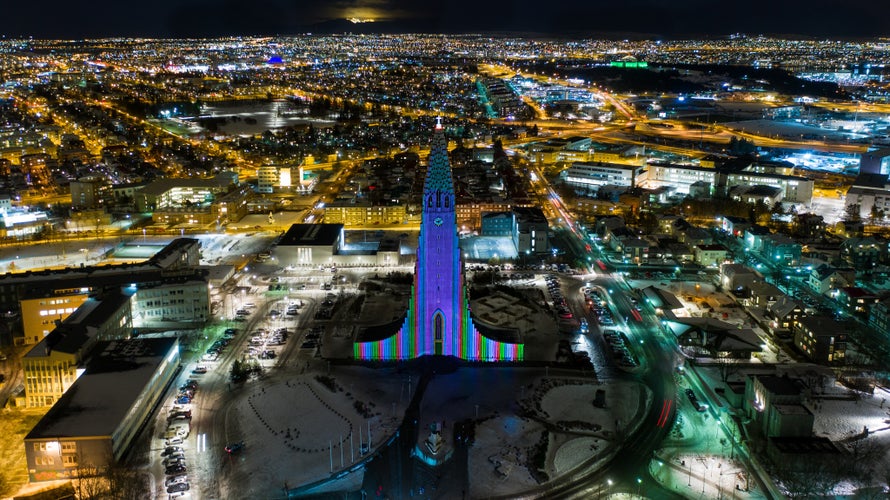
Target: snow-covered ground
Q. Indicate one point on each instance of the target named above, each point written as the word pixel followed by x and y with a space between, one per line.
pixel 292 426
pixel 510 407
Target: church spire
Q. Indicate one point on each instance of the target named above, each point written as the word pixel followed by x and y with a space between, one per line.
pixel 438 176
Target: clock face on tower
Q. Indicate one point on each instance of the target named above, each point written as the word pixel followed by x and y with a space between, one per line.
pixel 438 221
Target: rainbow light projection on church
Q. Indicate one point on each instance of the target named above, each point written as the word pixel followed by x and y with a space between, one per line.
pixel 438 319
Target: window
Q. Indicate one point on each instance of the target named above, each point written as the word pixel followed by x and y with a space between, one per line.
pixel 69 460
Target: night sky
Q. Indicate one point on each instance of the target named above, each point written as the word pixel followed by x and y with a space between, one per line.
pixel 653 18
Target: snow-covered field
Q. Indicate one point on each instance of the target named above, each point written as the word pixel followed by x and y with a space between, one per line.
pixel 292 426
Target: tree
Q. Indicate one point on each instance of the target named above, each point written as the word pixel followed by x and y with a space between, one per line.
pixel 727 367
pixel 808 477
pixel 876 214
pixel 87 481
pixel 852 213
pixel 125 483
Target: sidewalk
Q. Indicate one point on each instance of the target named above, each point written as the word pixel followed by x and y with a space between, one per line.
pixel 706 477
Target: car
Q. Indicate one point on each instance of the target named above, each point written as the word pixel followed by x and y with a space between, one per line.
pixel 200 369
pixel 179 495
pixel 173 441
pixel 180 478
pixel 173 488
pixel 233 448
pixel 231 331
pixel 183 400
pixel 175 469
pixel 698 405
pixel 170 450
pixel 174 460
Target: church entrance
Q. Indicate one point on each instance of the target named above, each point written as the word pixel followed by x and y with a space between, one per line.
pixel 438 332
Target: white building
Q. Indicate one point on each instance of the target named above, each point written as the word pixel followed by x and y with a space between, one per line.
pixel 594 175
pixel 272 178
pixel 681 177
pixel 172 301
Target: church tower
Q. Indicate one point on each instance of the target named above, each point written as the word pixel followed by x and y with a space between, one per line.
pixel 439 290
pixel 438 318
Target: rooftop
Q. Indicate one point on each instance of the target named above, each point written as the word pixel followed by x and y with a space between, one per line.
pixel 823 326
pixel 311 235
pixel 78 328
pixel 781 386
pixel 113 383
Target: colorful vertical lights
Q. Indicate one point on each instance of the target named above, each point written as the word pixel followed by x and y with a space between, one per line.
pixel 437 311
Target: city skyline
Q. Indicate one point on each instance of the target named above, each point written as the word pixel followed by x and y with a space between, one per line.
pixel 573 18
pixel 266 266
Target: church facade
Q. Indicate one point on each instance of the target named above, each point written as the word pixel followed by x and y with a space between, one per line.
pixel 438 320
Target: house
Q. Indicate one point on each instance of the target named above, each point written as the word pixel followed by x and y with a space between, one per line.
pixel 660 300
pixel 863 254
pixel 821 338
pixel 857 301
pixel 781 249
pixel 762 294
pixel 824 278
pixel 635 250
pixel 782 315
pixel 712 338
pixel 604 225
pixel 666 223
pixel 696 236
pixel 754 237
pixel 710 255
pixel 735 276
pixel 615 237
pixel 775 404
pixel 879 316
pixel 809 226
pixel 735 226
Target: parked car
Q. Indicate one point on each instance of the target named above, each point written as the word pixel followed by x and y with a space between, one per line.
pixel 180 478
pixel 199 369
pixel 234 448
pixel 171 450
pixel 173 488
pixel 174 460
pixel 175 469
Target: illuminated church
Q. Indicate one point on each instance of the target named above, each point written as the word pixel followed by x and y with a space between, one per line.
pixel 438 320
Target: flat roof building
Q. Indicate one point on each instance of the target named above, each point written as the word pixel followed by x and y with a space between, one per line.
pixel 94 423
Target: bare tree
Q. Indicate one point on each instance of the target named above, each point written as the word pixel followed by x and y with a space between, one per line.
pixel 88 482
pixel 727 367
pixel 808 477
pixel 126 484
